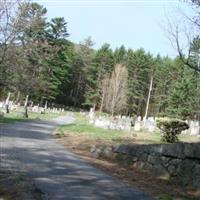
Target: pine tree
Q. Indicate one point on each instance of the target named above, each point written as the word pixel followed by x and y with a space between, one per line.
pixel 184 97
pixel 138 65
pixel 120 55
pixel 102 65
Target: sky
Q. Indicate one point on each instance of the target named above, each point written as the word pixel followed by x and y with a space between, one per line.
pixel 132 23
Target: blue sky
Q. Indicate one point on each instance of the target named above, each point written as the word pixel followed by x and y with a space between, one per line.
pixel 132 23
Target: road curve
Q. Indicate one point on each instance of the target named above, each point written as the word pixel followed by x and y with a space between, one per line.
pixel 30 147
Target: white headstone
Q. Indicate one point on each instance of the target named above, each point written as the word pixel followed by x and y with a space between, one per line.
pixel 92 116
pixel 1 104
pixel 137 126
pixel 194 128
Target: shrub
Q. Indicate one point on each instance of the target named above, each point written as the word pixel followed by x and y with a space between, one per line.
pixel 170 128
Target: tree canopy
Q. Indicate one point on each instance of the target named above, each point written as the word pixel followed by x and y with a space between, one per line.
pixel 37 59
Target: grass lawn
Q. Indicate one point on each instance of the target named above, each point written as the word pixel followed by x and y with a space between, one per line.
pixel 16 116
pixel 82 128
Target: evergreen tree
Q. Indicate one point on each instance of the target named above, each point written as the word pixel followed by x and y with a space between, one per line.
pixel 120 55
pixel 165 75
pixel 138 65
pixel 184 97
pixel 39 61
pixel 102 65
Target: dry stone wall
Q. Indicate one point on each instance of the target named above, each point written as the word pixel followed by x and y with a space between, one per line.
pixel 180 161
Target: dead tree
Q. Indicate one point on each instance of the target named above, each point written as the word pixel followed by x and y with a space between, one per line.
pixel 116 95
pixel 184 37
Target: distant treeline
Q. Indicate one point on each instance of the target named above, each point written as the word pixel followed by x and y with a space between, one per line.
pixel 37 59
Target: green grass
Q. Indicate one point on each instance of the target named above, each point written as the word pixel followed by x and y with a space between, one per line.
pixel 156 137
pixel 82 127
pixel 16 116
pixel 91 131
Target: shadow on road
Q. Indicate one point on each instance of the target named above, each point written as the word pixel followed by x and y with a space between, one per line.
pixel 31 149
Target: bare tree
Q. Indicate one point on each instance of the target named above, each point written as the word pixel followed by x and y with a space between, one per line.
pixel 115 97
pixel 7 33
pixel 8 22
pixel 104 91
pixel 185 36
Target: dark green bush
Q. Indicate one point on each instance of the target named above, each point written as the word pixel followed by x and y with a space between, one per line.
pixel 170 128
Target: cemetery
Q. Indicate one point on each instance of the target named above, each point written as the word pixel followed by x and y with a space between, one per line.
pixel 125 123
pixel 176 164
pixel 12 112
pixel 139 145
pixel 132 141
pixel 112 116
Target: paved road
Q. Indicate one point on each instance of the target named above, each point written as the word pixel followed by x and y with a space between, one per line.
pixel 30 147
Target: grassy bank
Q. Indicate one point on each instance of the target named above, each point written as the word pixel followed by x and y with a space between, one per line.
pixel 82 128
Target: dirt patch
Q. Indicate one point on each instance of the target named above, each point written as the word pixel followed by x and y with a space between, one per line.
pixel 158 187
pixel 16 186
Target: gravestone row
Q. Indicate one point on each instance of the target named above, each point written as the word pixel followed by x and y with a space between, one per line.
pixel 125 123
pixel 38 109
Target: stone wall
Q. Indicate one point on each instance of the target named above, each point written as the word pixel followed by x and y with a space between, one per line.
pixel 180 161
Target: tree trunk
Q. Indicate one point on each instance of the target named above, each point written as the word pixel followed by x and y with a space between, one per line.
pixel 148 99
pixel 7 103
pixel 25 113
pixel 7 109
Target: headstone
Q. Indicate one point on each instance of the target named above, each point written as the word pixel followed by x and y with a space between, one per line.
pixel 194 128
pixel 1 104
pixel 151 124
pixel 34 108
pixel 127 125
pixel 137 126
pixel 12 107
pixel 92 116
